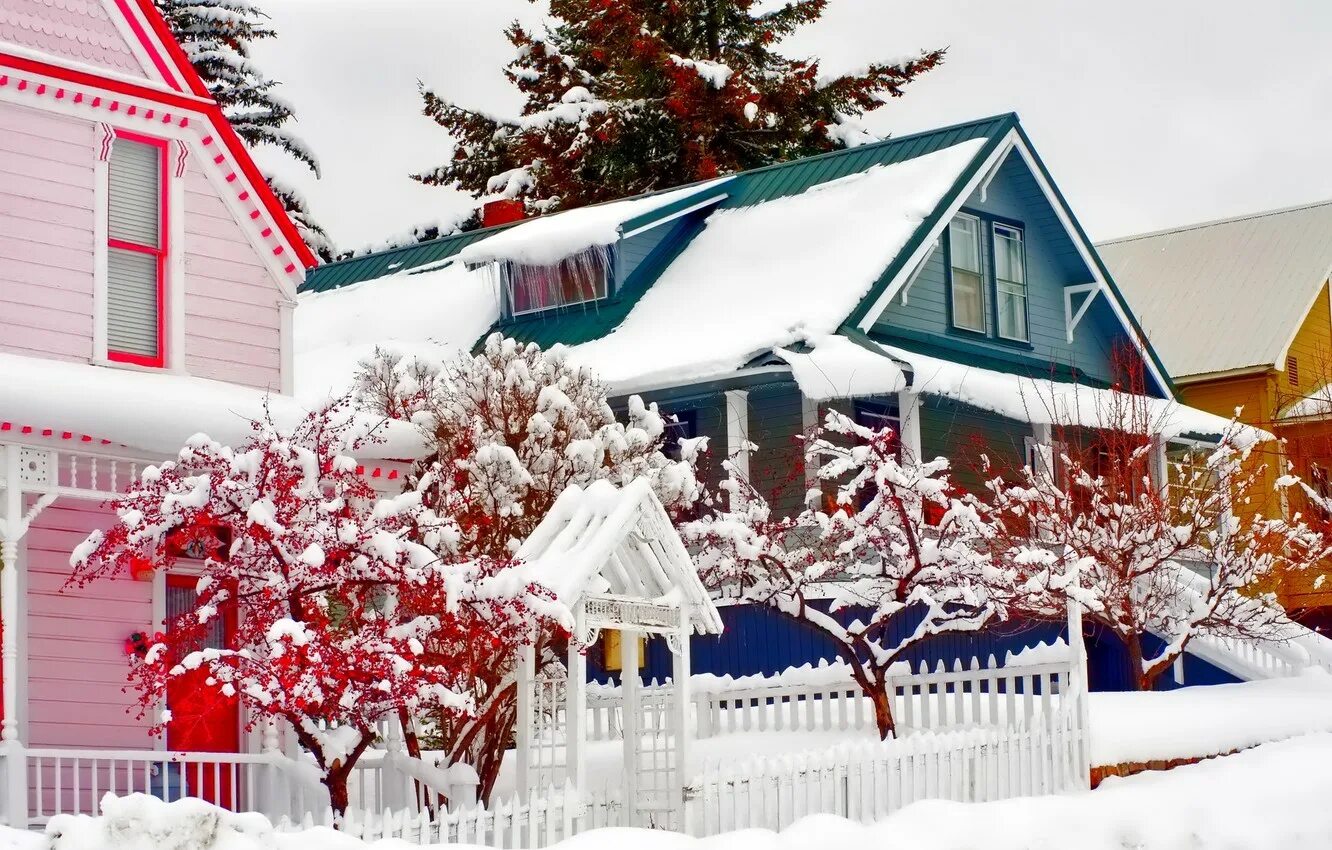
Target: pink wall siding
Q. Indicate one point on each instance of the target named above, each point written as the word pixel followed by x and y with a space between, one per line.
pixel 73 29
pixel 76 660
pixel 231 312
pixel 46 241
pixel 46 258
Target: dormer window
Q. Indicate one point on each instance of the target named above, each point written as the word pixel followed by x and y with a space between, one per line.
pixel 579 279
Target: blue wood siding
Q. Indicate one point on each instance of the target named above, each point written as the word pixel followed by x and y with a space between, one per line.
pixel 1052 262
pixel 710 420
pixel 962 433
pixel 639 247
pixel 776 467
pixel 760 640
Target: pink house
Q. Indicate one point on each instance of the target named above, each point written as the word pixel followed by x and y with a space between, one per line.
pixel 147 281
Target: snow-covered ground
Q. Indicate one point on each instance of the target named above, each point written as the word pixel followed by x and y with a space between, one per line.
pixel 1274 796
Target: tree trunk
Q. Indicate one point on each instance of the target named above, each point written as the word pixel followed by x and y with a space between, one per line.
pixel 1137 676
pixel 883 712
pixel 336 783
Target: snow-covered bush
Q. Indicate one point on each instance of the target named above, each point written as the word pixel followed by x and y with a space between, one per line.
pixel 509 429
pixel 1188 557
pixel 344 609
pixel 896 540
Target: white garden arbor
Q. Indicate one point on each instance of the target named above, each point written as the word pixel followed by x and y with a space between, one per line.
pixel 613 557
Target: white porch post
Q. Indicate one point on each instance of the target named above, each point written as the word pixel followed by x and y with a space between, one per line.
pixel 523 721
pixel 684 730
pixel 908 411
pixel 15 797
pixel 575 718
pixel 737 431
pixel 1156 464
pixel 1043 439
pixel 629 722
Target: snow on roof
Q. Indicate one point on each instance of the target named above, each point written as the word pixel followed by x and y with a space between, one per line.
pixel 434 314
pixel 1315 404
pixel 773 274
pixel 1185 286
pixel 619 540
pixel 548 239
pixel 153 412
pixel 837 367
pixel 1043 401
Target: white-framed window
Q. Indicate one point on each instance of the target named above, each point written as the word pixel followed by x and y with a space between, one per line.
pixel 1010 282
pixel 967 277
pixel 136 250
pixel 579 279
pixel 1188 473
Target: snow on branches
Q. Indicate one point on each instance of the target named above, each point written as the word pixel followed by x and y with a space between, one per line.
pixel 509 429
pixel 513 426
pixel 895 543
pixel 1191 557
pixel 637 95
pixel 344 609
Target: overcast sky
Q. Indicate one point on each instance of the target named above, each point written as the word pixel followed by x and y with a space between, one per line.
pixel 1148 114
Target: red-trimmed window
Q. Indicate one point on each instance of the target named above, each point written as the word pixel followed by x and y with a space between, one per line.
pixel 136 251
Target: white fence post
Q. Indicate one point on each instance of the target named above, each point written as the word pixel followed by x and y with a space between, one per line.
pixel 526 681
pixel 630 719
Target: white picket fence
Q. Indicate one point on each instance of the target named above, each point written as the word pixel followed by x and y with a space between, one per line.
pixel 864 782
pixel 968 695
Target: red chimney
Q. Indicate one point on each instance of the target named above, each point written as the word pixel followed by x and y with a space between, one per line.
pixel 501 212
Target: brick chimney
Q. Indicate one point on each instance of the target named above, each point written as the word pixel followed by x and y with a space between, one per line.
pixel 502 211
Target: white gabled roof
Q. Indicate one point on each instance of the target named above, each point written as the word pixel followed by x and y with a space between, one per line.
pixel 617 540
pixel 1225 295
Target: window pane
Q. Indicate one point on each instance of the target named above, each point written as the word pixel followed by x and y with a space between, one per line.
pixel 964 238
pixel 135 193
pixel 131 302
pixel 968 301
pixel 574 280
pixel 1012 311
pixel 1008 255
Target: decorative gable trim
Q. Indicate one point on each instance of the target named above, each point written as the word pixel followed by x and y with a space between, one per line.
pixel 132 26
pixel 193 123
pixel 982 170
pixel 1280 361
pixel 1072 317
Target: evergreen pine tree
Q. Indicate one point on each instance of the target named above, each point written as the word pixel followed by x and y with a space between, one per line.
pixel 216 36
pixel 630 96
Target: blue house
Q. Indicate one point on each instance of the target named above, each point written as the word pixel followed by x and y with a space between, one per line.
pixel 938 282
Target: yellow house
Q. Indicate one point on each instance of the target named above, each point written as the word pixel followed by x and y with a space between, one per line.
pixel 1239 312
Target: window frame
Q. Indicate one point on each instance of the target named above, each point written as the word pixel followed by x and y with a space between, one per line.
pixel 953 324
pixel 506 284
pixel 995 225
pixel 161 253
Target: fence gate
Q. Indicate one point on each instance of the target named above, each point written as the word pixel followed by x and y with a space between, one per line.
pixel 657 727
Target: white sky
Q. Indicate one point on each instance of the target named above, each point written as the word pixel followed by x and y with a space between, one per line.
pixel 1149 113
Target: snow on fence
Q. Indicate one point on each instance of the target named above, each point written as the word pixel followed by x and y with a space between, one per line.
pixel 862 783
pixel 825 698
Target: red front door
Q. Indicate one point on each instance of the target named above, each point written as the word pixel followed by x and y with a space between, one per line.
pixel 202 720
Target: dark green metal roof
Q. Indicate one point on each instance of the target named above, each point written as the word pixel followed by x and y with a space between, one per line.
pixel 408 257
pixel 575 325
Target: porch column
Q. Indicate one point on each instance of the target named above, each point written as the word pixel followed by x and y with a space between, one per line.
pixel 908 411
pixel 11 529
pixel 1042 438
pixel 1156 464
pixel 737 431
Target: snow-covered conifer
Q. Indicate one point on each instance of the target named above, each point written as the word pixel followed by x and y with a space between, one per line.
pixel 638 95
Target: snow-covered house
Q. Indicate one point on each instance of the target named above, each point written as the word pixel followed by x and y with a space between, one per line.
pixel 147 283
pixel 939 282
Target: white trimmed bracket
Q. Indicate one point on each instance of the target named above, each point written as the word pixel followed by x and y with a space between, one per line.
pixel 1071 318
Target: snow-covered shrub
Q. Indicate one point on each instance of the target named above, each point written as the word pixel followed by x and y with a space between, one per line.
pixel 344 609
pixel 509 429
pixel 895 536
